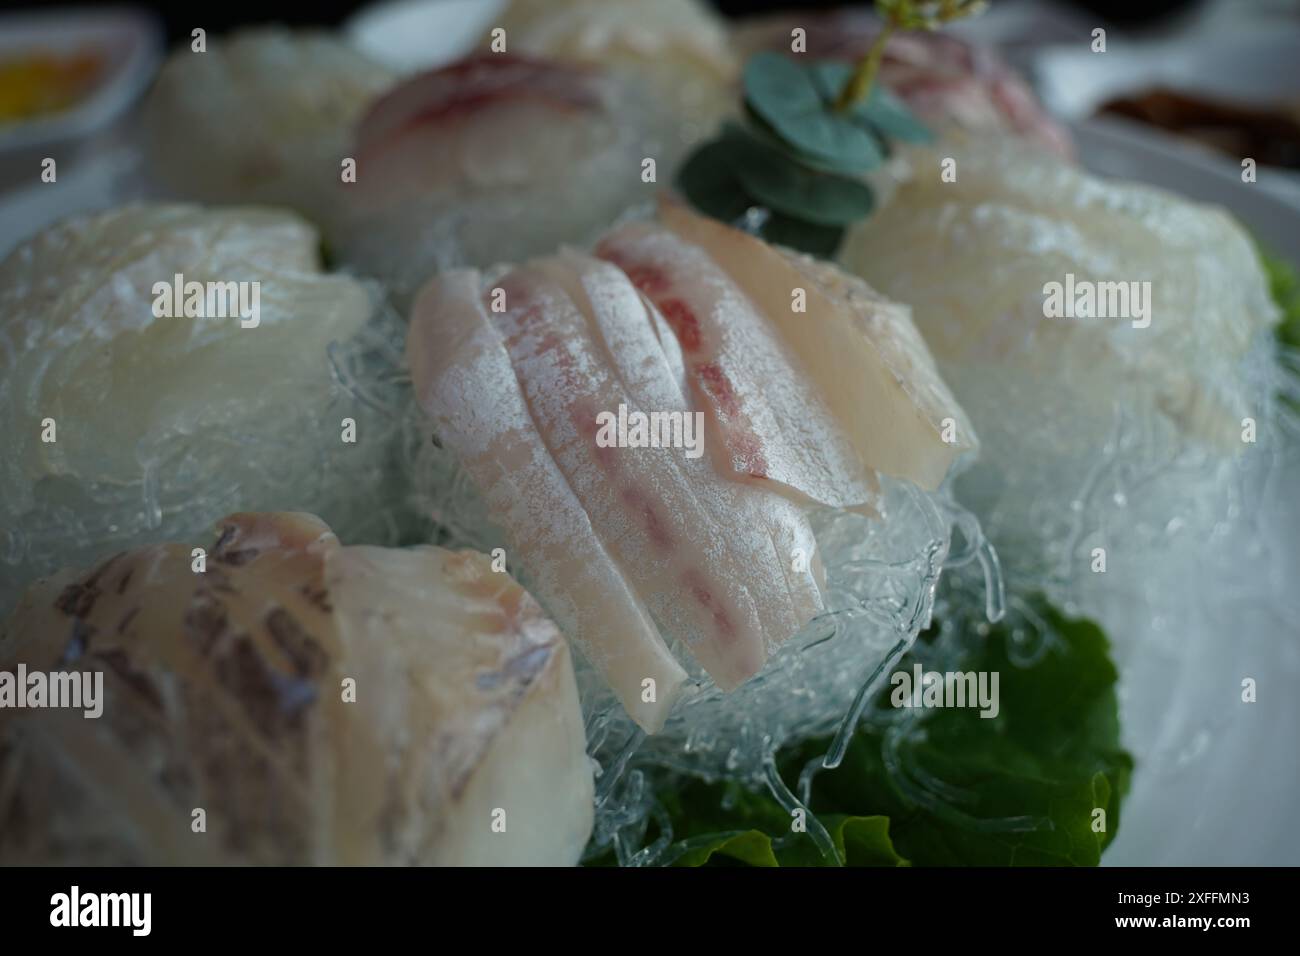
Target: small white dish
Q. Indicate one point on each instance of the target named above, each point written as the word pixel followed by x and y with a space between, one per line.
pixel 128 41
pixel 411 35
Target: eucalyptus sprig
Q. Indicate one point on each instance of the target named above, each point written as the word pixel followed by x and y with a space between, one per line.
pixel 811 133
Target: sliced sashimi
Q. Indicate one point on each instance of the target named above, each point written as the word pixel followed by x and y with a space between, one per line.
pixel 579 383
pixel 674 545
pixel 187 357
pixel 676 52
pixel 447 159
pixel 769 530
pixel 322 705
pixel 771 421
pixel 951 83
pixel 464 380
pixel 460 127
pixel 868 361
pixel 982 254
pixel 263 114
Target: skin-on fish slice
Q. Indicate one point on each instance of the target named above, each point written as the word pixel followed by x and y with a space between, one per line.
pixel 320 704
pixel 870 364
pixel 771 423
pixel 465 382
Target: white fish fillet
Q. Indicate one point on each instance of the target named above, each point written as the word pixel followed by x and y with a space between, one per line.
pixel 946 80
pixel 262 115
pixel 463 378
pixel 80 295
pixel 974 257
pixel 716 548
pixel 226 690
pixel 772 426
pixel 447 158
pixel 861 350
pixel 704 563
pixel 458 129
pixel 124 422
pixel 711 559
pixel 649 362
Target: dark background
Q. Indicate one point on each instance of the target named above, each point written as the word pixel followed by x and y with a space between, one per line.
pixel 181 16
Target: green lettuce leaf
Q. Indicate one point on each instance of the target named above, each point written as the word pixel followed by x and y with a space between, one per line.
pixel 1039 784
pixel 1022 788
pixel 860 841
pixel 1284 284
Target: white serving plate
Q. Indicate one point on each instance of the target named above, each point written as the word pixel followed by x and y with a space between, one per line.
pixel 1217 781
pixel 1224 794
pixel 411 35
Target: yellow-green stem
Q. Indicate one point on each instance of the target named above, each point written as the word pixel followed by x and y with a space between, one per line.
pixel 859 84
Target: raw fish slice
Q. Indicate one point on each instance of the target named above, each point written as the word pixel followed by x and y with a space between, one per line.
pixel 866 357
pixel 679 51
pixel 323 704
pixel 946 80
pixel 676 552
pixel 487 122
pixel 648 360
pixel 464 380
pixel 684 33
pixel 81 295
pixel 725 562
pixel 772 424
pixel 262 115
pixel 446 161
pixel 165 422
pixel 975 257
pixel 1099 431
pixel 492 694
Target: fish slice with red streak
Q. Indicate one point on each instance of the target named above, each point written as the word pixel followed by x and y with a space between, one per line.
pixel 464 380
pixel 675 532
pixel 768 531
pixel 478 124
pixel 771 422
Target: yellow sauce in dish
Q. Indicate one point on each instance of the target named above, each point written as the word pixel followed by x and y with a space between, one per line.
pixel 33 85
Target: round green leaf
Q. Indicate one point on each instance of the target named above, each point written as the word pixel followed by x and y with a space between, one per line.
pixel 882 111
pixel 891 117
pixel 775 85
pixel 821 241
pixel 785 186
pixel 708 179
pixel 828 78
pixel 762 131
pixel 788 99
